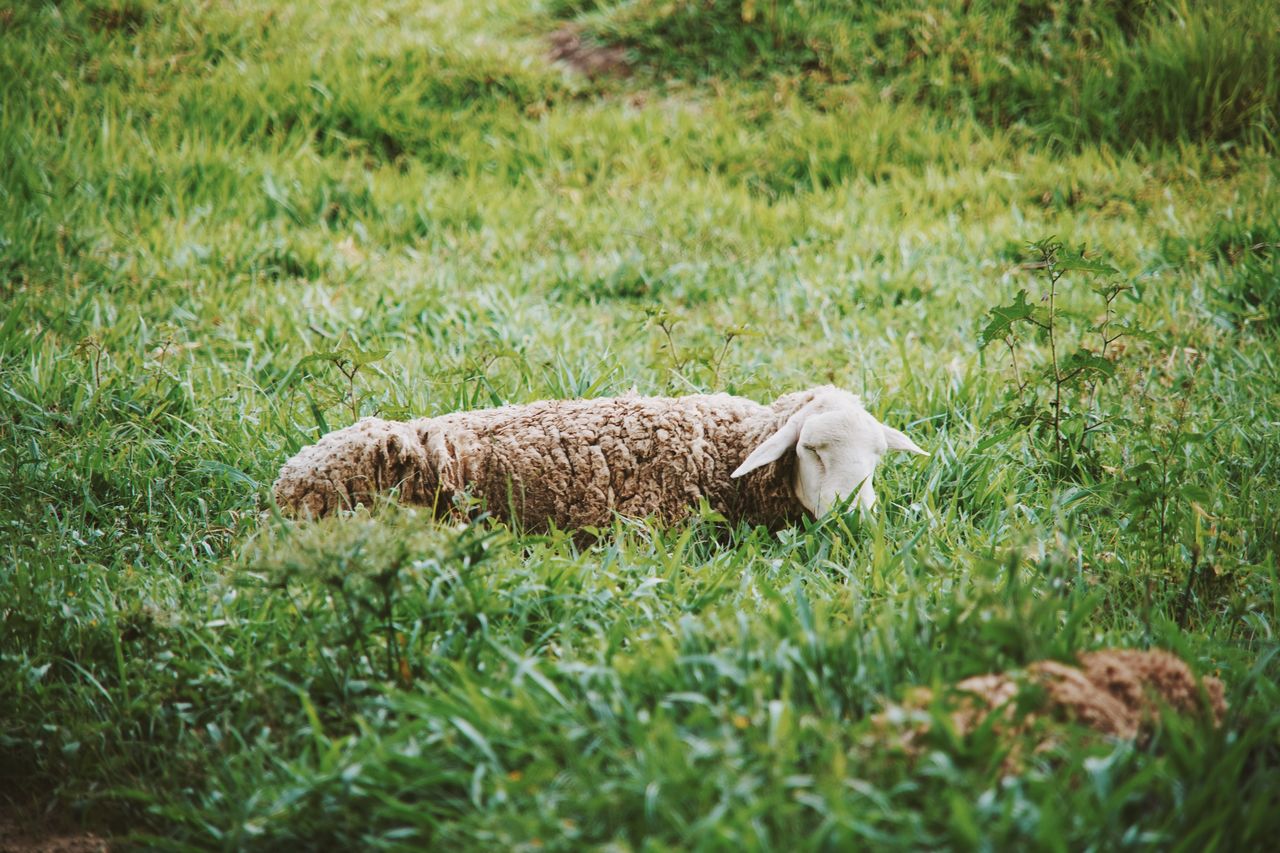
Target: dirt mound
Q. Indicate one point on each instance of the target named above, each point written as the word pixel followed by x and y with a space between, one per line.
pixel 17 838
pixel 1116 692
pixel 585 56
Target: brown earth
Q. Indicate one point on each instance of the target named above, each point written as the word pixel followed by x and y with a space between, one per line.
pixel 1118 693
pixel 587 57
pixel 27 828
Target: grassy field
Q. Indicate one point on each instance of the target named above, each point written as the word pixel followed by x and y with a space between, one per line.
pixel 195 196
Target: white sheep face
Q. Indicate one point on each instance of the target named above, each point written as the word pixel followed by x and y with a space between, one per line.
pixel 838 445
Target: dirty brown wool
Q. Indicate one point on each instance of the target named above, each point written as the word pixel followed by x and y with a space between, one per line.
pixel 574 463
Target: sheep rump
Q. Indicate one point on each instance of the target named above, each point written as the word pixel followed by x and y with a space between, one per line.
pixel 572 463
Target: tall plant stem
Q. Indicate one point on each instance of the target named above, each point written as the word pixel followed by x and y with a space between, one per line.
pixel 1054 275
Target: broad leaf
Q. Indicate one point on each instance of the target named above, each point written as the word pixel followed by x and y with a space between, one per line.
pixel 1068 261
pixel 361 357
pixel 1083 362
pixel 1129 330
pixel 1003 318
pixel 1199 494
pixel 329 356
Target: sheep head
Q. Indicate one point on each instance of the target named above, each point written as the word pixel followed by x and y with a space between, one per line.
pixel 838 445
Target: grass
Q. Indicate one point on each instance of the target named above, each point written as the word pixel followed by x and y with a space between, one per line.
pixel 1116 71
pixel 194 197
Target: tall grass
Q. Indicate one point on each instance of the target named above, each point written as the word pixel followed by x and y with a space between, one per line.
pixel 195 196
pixel 1119 73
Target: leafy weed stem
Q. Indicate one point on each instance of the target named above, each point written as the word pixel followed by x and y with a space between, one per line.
pixel 1013 357
pixel 1179 420
pixel 1050 258
pixel 729 335
pixel 349 369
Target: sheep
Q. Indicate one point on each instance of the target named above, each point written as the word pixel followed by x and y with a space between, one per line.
pixel 576 464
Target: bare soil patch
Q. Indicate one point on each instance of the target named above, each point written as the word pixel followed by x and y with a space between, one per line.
pixel 27 828
pixel 586 56
pixel 1118 693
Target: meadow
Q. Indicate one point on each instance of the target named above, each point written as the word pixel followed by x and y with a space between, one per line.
pixel 227 228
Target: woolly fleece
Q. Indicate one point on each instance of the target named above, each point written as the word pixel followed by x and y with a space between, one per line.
pixel 573 463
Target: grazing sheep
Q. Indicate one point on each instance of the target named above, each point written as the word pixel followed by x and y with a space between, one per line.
pixel 575 463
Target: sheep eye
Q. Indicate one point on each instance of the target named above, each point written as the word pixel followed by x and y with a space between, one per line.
pixel 815 456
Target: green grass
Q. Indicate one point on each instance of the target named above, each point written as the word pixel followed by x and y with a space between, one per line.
pixel 1116 71
pixel 195 196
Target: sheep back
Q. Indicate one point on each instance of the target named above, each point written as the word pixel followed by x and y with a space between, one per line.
pixel 578 462
pixel 574 463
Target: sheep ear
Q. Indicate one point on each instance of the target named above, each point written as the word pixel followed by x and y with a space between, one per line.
pixel 899 441
pixel 772 448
